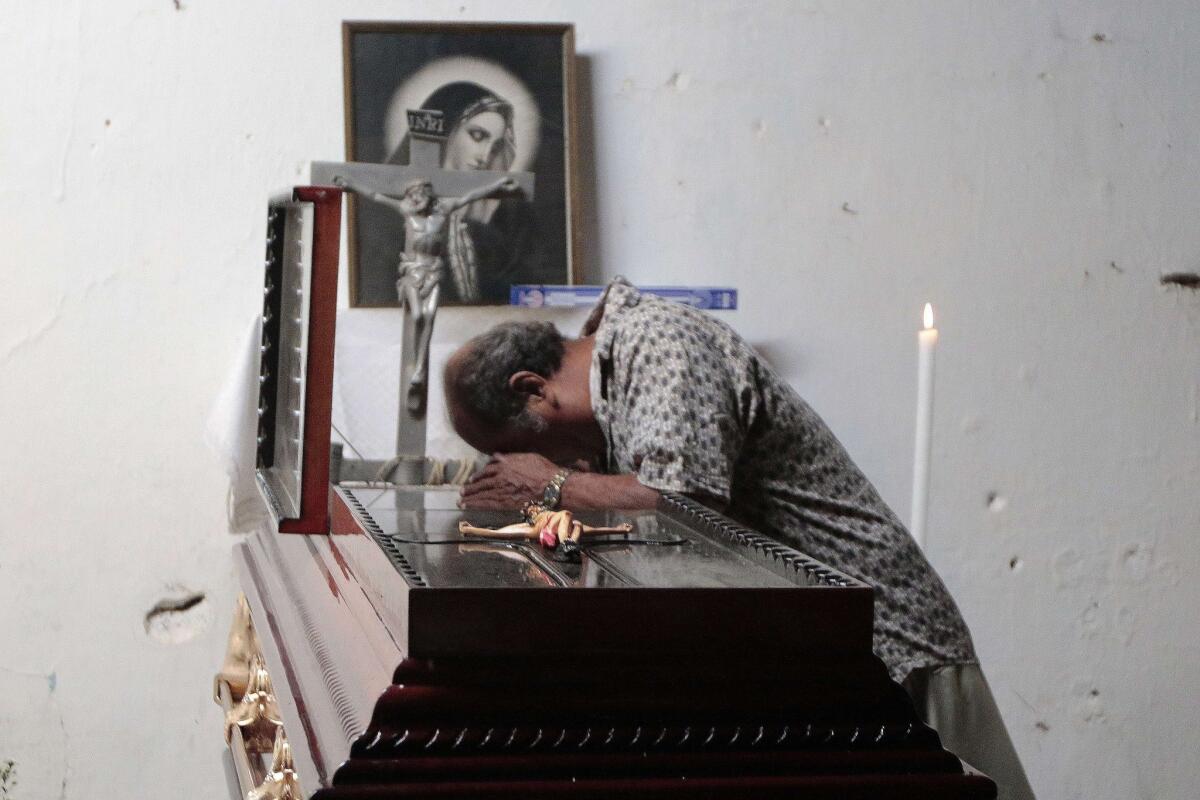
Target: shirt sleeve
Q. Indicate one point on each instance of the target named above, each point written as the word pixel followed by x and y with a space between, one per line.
pixel 688 401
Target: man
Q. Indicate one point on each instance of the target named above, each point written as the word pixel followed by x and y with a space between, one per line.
pixel 663 397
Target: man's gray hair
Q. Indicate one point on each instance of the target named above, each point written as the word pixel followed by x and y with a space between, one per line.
pixel 480 382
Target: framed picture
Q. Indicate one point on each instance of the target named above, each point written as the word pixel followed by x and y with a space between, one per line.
pixel 447 99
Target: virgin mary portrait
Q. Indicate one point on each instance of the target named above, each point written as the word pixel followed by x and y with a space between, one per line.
pixel 489 242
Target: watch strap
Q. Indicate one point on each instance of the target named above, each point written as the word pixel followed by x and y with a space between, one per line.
pixel 552 494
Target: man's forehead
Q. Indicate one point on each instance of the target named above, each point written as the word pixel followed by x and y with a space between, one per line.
pixel 503 438
pixel 487 437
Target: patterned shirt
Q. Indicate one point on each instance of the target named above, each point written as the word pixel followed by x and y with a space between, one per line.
pixel 689 407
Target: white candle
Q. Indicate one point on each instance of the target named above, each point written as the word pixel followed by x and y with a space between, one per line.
pixel 926 346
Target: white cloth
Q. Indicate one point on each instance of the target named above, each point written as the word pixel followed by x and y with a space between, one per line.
pixel 366 388
pixel 366 382
pixel 956 701
pixel 230 432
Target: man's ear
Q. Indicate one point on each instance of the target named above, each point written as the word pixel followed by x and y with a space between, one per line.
pixel 532 385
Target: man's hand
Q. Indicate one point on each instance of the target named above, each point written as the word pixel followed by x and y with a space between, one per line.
pixel 509 481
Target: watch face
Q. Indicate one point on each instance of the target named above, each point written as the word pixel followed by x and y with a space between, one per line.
pixel 552 494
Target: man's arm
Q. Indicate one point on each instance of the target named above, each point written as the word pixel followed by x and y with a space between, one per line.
pixel 511 480
pixel 390 202
pixel 500 187
pixel 346 183
pixel 595 490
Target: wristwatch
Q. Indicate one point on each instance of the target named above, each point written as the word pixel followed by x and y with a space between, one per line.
pixel 552 494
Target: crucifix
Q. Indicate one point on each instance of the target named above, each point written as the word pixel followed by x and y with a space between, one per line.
pixel 425 196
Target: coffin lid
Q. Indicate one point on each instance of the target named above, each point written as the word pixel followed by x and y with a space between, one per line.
pixel 296 357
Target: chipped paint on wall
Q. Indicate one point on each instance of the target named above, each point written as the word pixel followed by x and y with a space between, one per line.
pixel 993 152
pixel 179 617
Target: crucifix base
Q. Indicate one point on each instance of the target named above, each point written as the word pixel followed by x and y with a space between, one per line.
pixel 410 426
pixel 401 471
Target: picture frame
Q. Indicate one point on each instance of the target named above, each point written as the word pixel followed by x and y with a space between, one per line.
pixel 499 98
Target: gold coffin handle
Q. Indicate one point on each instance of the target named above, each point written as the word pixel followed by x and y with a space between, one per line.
pixel 243 646
pixel 257 716
pixel 247 775
pixel 281 782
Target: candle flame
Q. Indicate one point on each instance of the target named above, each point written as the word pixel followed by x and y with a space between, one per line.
pixel 928 316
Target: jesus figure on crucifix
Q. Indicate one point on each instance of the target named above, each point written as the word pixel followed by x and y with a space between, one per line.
pixel 426 218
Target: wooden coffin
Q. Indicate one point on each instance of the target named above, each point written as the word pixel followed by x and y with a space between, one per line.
pixel 689 658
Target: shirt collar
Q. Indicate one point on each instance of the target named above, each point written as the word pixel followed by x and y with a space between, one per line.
pixel 618 295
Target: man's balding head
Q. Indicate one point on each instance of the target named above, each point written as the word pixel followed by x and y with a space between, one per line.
pixel 488 408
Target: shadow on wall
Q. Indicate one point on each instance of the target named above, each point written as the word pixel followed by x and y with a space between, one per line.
pixel 781 355
pixel 588 257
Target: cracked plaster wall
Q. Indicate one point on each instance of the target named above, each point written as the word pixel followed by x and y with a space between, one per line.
pixel 1028 167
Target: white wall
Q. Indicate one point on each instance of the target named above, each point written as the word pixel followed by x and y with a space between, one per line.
pixel 1030 167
